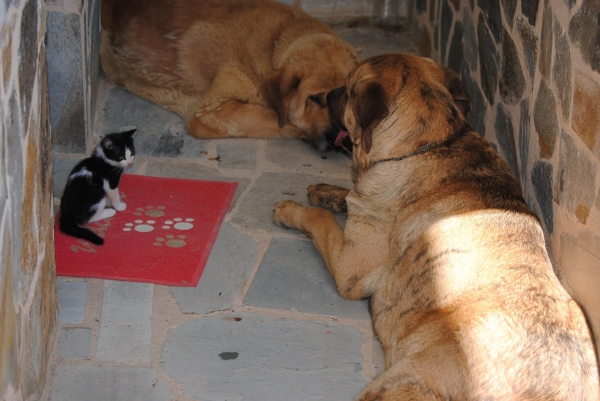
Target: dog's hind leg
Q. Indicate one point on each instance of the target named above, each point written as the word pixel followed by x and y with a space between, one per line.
pixel 397 385
pixel 402 393
pixel 236 119
pixel 231 107
pixel 353 269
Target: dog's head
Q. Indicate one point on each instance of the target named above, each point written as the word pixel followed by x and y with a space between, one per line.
pixel 297 90
pixel 394 104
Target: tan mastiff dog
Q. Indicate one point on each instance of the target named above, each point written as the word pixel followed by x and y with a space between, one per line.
pixel 235 68
pixel 463 295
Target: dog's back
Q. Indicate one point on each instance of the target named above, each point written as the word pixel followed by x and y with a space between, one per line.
pixel 470 306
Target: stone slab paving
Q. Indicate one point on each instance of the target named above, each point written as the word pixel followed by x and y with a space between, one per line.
pixel 99 383
pixel 265 321
pixel 256 210
pixel 75 343
pixel 302 157
pixel 243 356
pixel 228 266
pixel 71 301
pixel 158 167
pixel 238 155
pixel 125 325
pixel 293 275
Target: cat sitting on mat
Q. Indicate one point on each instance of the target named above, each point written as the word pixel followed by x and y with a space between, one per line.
pixel 92 183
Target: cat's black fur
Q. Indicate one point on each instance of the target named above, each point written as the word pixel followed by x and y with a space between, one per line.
pixel 94 181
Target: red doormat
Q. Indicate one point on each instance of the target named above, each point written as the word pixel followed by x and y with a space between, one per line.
pixel 164 236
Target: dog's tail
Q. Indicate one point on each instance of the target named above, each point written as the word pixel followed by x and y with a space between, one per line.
pixel 69 226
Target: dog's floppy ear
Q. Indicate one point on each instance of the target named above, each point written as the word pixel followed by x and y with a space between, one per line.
pixel 454 85
pixel 278 89
pixel 370 108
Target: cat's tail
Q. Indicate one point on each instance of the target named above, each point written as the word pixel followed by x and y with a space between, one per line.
pixel 69 226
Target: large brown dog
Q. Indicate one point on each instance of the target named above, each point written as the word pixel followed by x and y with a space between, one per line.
pixel 463 295
pixel 236 68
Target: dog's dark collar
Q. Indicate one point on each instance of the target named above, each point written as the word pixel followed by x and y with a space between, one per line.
pixel 425 148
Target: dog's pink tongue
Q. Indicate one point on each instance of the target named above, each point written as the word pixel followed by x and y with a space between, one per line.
pixel 340 137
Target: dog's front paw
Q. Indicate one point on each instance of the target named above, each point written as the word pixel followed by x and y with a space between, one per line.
pixel 284 213
pixel 328 197
pixel 121 206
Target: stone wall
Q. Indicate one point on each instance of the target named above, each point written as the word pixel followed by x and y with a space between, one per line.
pixel 27 273
pixel 72 42
pixel 532 69
pixel 339 10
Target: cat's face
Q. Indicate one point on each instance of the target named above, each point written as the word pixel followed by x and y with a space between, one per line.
pixel 118 148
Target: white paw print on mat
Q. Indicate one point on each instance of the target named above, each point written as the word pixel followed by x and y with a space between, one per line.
pixel 140 226
pixel 171 241
pixel 179 224
pixel 150 211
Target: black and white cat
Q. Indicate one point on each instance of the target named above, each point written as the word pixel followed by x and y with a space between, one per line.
pixel 92 183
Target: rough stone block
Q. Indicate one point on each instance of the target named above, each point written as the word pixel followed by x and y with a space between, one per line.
pixel 541 178
pixel 561 72
pixel 28 57
pixel 228 266
pixel 545 120
pixel 490 9
pixel 292 275
pixel 9 343
pixel 546 44
pixel 529 9
pixel 583 31
pixel 455 55
pixel 488 60
pixel 108 383
pixel 510 6
pixel 71 301
pixel 126 322
pixel 159 131
pixel 512 79
pixel 445 24
pixel 65 81
pixel 530 45
pixel 92 59
pixel 470 49
pixel 524 135
pixel 239 356
pixel 478 104
pixel 586 116
pixel 506 137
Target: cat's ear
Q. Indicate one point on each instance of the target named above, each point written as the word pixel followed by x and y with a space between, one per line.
pixel 107 143
pixel 129 133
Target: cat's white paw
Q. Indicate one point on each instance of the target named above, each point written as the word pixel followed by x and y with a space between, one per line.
pixel 108 213
pixel 121 206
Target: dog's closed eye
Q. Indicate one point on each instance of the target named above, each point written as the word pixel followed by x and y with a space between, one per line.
pixel 319 99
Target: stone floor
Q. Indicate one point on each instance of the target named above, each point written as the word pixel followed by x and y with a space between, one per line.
pixel 265 321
